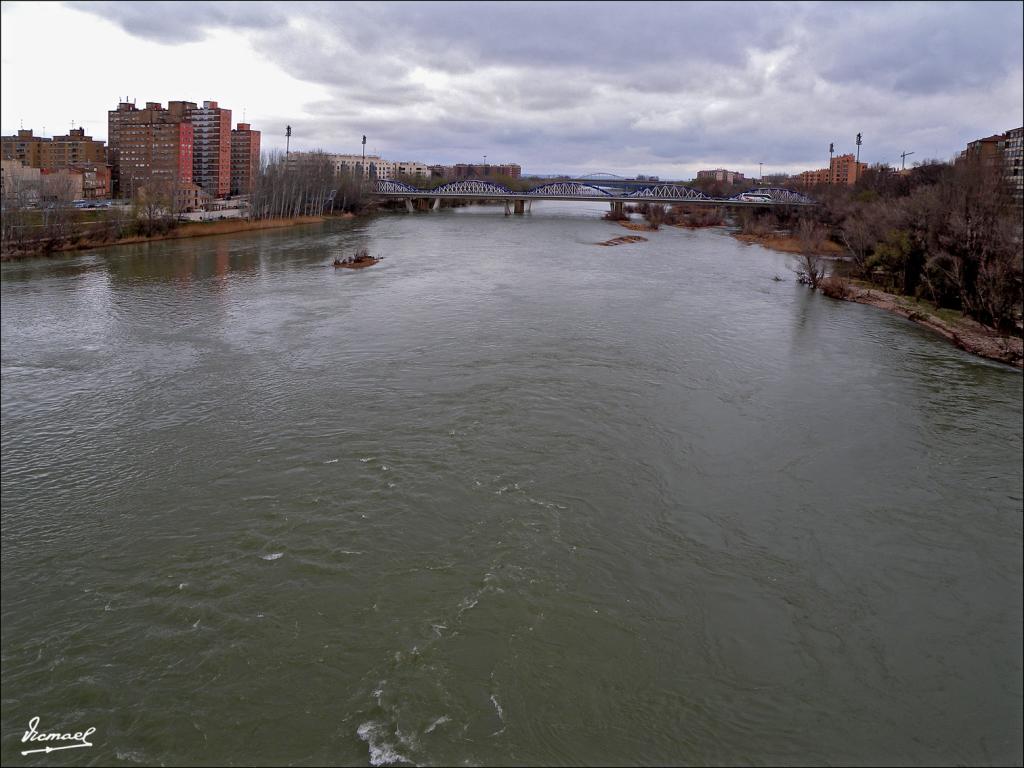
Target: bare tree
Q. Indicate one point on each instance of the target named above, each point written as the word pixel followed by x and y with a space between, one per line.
pixel 810 267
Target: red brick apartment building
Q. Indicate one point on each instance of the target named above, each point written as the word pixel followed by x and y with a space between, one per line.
pixel 150 146
pixel 245 158
pixel 843 169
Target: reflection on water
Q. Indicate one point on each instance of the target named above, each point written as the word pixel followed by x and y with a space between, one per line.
pixel 505 497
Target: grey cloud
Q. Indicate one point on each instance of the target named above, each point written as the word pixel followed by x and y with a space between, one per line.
pixel 177 22
pixel 557 84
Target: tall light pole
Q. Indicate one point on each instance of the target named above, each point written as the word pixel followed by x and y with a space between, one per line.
pixel 831 150
pixel 856 170
pixel 362 168
pixel 761 166
pixel 287 141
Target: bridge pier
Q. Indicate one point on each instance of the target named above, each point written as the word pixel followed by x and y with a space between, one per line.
pixel 618 208
pixel 508 211
pixel 408 205
pixel 437 204
pixel 520 207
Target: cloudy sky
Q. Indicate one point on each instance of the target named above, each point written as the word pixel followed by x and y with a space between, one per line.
pixel 660 88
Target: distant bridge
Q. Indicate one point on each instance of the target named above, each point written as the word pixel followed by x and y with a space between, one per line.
pixel 585 191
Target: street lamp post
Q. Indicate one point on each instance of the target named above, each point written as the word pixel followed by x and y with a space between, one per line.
pixel 761 166
pixel 362 168
pixel 831 150
pixel 287 141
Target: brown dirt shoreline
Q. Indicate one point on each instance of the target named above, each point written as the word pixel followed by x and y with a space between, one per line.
pixel 970 335
pixel 786 243
pixel 637 226
pixel 192 229
pixel 966 333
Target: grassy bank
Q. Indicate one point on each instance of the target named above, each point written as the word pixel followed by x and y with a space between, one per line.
pixel 186 230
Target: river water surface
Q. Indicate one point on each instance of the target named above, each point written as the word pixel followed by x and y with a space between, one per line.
pixel 507 497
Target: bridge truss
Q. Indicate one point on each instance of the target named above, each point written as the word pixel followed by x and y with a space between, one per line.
pixel 569 189
pixel 668 193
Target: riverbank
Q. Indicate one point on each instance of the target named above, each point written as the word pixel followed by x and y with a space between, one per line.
pixel 787 243
pixel 966 333
pixel 193 229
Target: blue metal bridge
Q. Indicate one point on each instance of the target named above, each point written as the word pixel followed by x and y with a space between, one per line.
pixel 589 191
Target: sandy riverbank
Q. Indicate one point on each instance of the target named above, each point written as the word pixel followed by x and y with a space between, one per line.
pixel 192 229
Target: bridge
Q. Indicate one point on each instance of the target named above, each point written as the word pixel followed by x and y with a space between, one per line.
pixel 584 191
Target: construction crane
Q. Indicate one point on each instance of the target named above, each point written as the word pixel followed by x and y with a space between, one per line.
pixel 905 155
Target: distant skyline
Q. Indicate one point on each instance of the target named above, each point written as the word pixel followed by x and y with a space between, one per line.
pixel 664 88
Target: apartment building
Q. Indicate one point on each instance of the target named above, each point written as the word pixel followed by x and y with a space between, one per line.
pixel 23 146
pixel 211 152
pixel 374 167
pixel 843 169
pixel 1012 147
pixel 477 171
pixel 245 158
pixel 411 169
pixel 152 146
pixel 58 152
pixel 722 175
pixel 1003 151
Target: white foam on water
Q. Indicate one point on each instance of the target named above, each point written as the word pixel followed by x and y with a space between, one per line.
pixel 272 556
pixel 381 752
pixel 368 458
pixel 497 706
pixel 440 721
pixel 331 461
pixel 467 604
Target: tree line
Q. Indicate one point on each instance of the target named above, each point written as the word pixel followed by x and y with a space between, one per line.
pixel 950 233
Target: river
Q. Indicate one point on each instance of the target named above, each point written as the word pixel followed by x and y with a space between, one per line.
pixel 507 497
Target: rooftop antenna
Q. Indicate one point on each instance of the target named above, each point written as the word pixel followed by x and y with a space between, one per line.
pixel 905 155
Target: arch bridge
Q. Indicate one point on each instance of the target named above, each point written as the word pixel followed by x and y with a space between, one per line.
pixel 583 191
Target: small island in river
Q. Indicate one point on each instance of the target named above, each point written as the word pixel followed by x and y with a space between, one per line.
pixel 361 260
